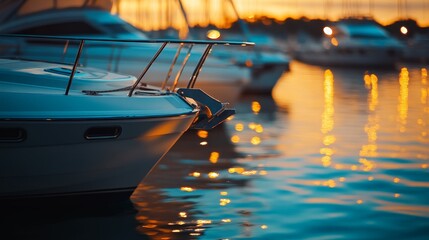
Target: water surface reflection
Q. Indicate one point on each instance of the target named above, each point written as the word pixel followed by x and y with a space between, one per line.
pixel 335 153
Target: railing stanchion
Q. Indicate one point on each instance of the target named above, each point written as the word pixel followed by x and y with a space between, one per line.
pixel 172 66
pixel 76 62
pixel 179 73
pixel 197 69
pixel 130 93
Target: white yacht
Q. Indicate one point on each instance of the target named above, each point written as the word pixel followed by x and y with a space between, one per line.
pixel 220 79
pixel 351 42
pixel 69 129
pixel 266 61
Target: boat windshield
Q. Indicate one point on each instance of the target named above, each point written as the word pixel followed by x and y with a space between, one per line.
pixel 366 31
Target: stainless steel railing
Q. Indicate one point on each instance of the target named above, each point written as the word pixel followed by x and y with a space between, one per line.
pixel 163 42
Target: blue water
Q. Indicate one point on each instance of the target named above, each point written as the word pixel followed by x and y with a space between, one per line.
pixel 332 154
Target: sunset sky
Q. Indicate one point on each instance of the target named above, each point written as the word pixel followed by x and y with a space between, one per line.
pixel 159 14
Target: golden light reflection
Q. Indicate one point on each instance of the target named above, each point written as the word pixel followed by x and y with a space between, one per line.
pixel 213 175
pixel 359 201
pixel 223 193
pixel 329 139
pixel 195 174
pixel 203 143
pixel 372 126
pixel 328 119
pixel 330 183
pixel 214 156
pixel 256 107
pixel 425 88
pixel 328 112
pixel 186 189
pixel 396 195
pixel 183 214
pixel 238 170
pixel 239 127
pixel 202 133
pixel 255 140
pixel 370 178
pixel 235 139
pixel 224 201
pixel 227 220
pixel 403 99
pixel 396 180
pixel 264 226
pixel 334 42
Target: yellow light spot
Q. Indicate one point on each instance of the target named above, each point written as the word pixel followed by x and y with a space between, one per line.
pixel 213 174
pixel 342 179
pixel 202 134
pixel 239 127
pixel 186 189
pixel 236 170
pixel 353 167
pixel 326 161
pixel 264 226
pixel 248 173
pixel 180 222
pixel 424 166
pixel 202 221
pixel 359 201
pixel 214 156
pixel 396 180
pixel 263 172
pixel 226 220
pixel 255 140
pixel 235 139
pixel 397 195
pixel 259 128
pixel 176 230
pixel 223 193
pixel 256 107
pixel 195 174
pixel 213 34
pixel 370 178
pixel 183 214
pixel 328 140
pixel 334 42
pixel 327 151
pixel 252 125
pixel 203 143
pixel 224 201
pixel 330 183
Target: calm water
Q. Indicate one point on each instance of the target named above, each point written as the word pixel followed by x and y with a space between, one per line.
pixel 333 154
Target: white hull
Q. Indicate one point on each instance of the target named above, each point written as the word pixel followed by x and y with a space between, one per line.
pixel 334 57
pixel 264 79
pixel 55 157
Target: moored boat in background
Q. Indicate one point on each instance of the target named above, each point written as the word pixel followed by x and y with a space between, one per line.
pixel 351 42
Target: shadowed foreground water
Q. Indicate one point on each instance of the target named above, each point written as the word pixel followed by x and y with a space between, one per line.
pixel 333 154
